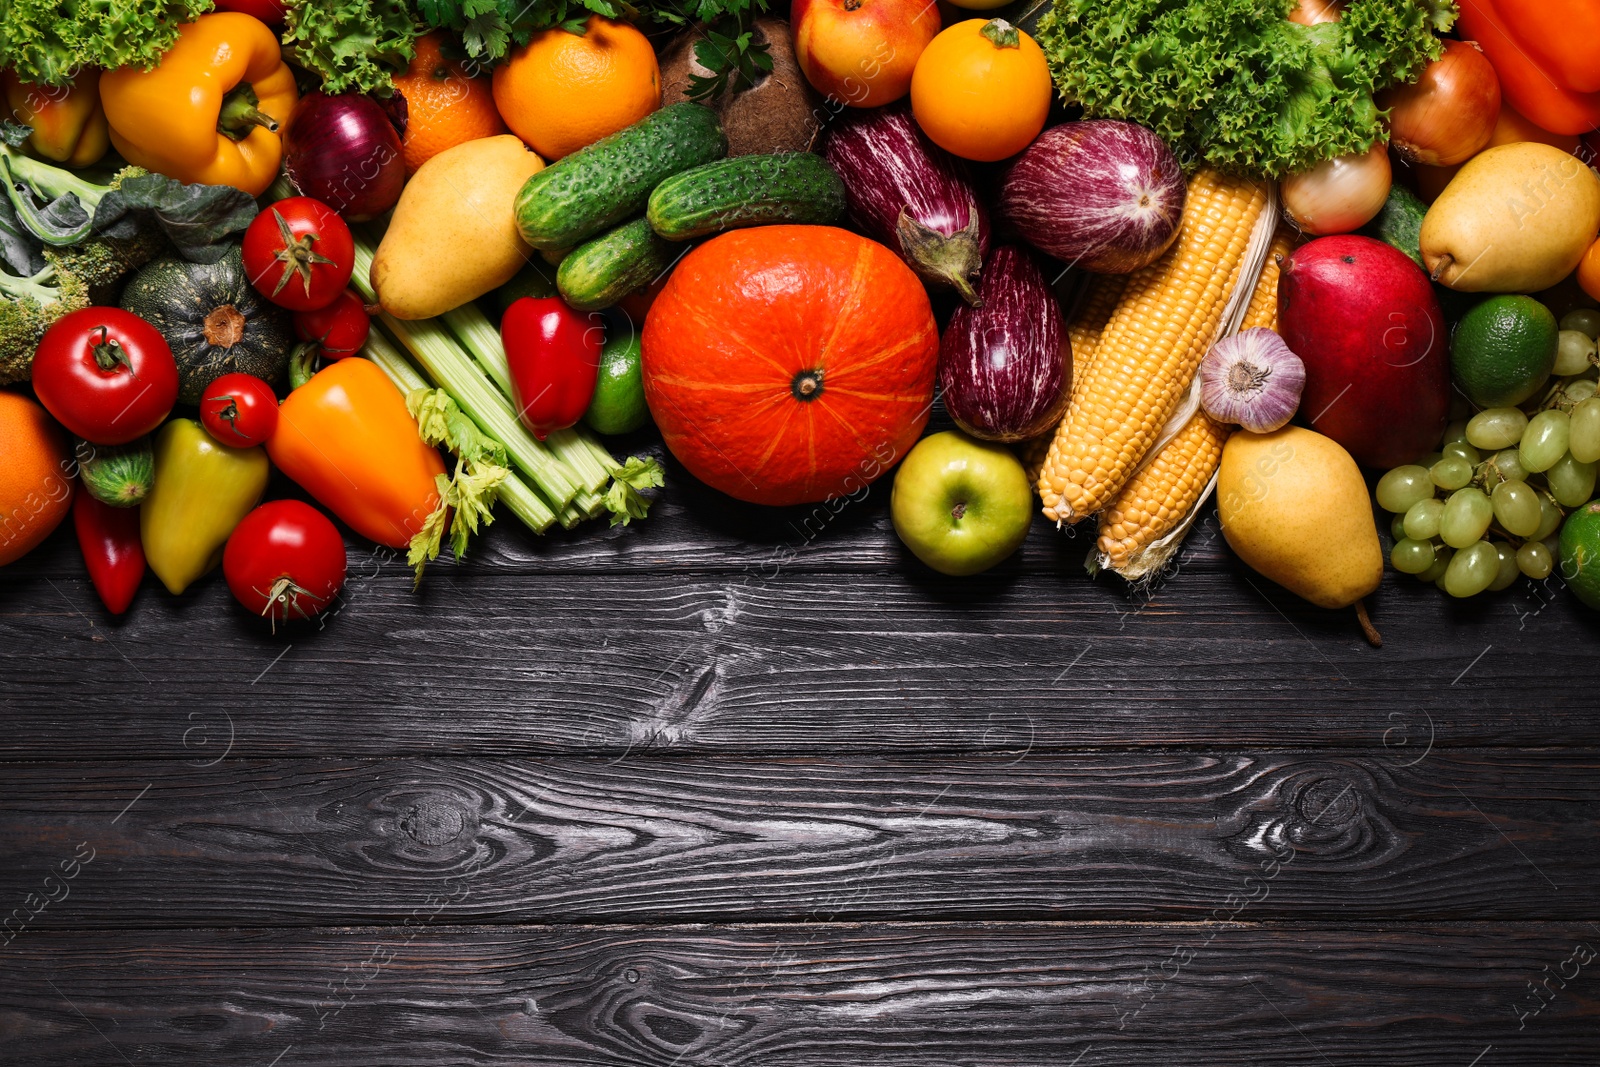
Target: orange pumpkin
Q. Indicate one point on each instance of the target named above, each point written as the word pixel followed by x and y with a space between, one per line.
pixel 790 364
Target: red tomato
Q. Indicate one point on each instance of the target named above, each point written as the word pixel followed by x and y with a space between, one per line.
pixel 269 11
pixel 285 560
pixel 106 375
pixel 299 254
pixel 554 355
pixel 340 329
pixel 239 410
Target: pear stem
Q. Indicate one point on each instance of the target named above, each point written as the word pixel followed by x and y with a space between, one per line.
pixel 1374 638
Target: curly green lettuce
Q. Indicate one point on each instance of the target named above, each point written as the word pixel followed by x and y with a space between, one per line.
pixel 1235 84
pixel 48 41
pixel 354 45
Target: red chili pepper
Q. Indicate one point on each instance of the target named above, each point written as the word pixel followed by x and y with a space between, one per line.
pixel 111 547
pixel 554 355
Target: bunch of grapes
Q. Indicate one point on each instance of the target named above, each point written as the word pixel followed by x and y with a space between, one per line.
pixel 1489 504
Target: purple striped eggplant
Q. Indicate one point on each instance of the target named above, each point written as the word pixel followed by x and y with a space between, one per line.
pixel 911 195
pixel 1005 367
pixel 1102 195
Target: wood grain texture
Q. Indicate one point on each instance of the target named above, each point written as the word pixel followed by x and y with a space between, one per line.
pixel 1458 835
pixel 887 995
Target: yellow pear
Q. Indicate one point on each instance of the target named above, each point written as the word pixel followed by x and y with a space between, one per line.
pixel 1294 506
pixel 1515 219
pixel 454 234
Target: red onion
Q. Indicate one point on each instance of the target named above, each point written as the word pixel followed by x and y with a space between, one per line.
pixel 1005 368
pixel 1102 195
pixel 344 151
pixel 911 195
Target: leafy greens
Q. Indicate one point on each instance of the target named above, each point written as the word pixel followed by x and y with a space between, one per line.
pixel 1233 82
pixel 355 45
pixel 47 42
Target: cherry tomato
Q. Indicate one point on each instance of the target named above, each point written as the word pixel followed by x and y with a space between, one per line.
pixel 105 374
pixel 285 560
pixel 340 329
pixel 239 410
pixel 299 254
pixel 269 11
pixel 554 357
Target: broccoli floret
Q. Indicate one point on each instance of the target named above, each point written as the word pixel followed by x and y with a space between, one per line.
pixel 30 306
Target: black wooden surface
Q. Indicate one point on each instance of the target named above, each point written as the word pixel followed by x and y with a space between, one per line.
pixel 736 786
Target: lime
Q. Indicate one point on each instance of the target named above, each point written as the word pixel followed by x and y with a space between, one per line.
pixel 1504 350
pixel 1580 553
pixel 618 405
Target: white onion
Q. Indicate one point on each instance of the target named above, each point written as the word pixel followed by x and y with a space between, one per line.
pixel 1339 195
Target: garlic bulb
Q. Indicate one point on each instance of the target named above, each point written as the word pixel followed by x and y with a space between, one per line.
pixel 1252 379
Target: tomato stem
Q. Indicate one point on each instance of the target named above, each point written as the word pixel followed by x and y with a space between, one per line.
pixel 297 255
pixel 109 353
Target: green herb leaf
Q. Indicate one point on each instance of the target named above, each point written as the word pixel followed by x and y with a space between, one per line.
pixel 624 498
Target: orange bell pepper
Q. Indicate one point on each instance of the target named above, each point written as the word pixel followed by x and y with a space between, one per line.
pixel 69 125
pixel 1547 53
pixel 347 439
pixel 210 111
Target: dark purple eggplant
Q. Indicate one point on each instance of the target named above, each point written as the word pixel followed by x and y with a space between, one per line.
pixel 1103 195
pixel 1005 367
pixel 911 195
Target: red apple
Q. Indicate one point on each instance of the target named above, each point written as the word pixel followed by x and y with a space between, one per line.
pixel 861 52
pixel 1365 321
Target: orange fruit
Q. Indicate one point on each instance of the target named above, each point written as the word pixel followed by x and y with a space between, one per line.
pixel 1589 271
pixel 562 91
pixel 981 90
pixel 35 476
pixel 445 105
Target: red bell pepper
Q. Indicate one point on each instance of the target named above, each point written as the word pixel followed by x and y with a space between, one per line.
pixel 1547 53
pixel 554 356
pixel 109 538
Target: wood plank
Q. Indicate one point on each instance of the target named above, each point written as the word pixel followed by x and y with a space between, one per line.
pixel 798 996
pixel 502 663
pixel 1303 835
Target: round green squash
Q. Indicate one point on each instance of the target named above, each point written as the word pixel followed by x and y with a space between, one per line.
pixel 213 319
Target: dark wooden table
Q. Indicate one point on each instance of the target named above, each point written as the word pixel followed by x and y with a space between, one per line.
pixel 735 787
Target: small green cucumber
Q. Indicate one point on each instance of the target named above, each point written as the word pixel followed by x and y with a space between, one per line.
pixel 597 187
pixel 796 187
pixel 602 271
pixel 119 475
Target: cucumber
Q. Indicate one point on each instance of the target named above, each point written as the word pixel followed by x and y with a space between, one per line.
pixel 747 191
pixel 598 187
pixel 119 475
pixel 598 274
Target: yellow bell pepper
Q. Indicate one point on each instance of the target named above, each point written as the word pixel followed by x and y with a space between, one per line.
pixel 200 492
pixel 69 126
pixel 210 111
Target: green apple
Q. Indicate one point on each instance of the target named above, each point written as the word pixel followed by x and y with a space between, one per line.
pixel 961 505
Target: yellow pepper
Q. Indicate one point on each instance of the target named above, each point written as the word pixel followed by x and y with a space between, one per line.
pixel 69 126
pixel 211 109
pixel 200 492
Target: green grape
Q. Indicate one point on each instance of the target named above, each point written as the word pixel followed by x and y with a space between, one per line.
pixel 1451 472
pixel 1580 389
pixel 1516 506
pixel 1550 517
pixel 1397 528
pixel 1456 431
pixel 1507 559
pixel 1411 557
pixel 1508 465
pixel 1462 449
pixel 1466 517
pixel 1404 486
pixel 1422 519
pixel 1585 320
pixel 1571 482
pixel 1472 570
pixel 1534 560
pixel 1496 428
pixel 1584 436
pixel 1545 440
pixel 1574 353
pixel 1441 560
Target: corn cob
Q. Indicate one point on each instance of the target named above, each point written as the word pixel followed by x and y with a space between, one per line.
pixel 1160 498
pixel 1091 310
pixel 1263 309
pixel 1147 356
